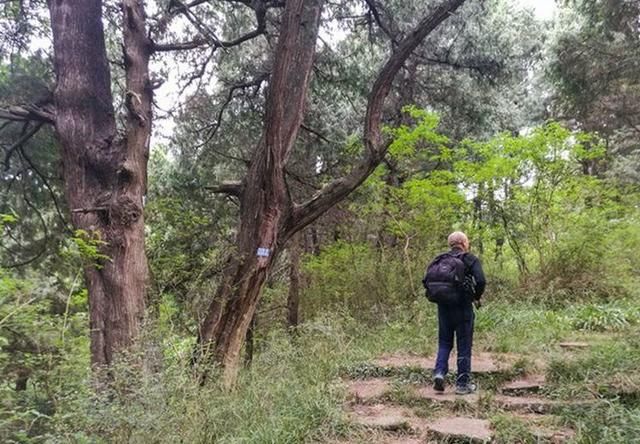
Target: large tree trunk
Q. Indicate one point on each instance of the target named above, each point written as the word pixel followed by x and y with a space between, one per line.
pixel 268 217
pixel 104 176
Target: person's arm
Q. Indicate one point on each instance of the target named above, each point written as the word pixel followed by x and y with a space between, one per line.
pixel 478 275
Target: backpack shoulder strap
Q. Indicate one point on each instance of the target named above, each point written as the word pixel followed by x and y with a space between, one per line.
pixel 466 258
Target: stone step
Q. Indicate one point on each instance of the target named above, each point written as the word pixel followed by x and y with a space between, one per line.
pixel 555 436
pixel 536 404
pixel 385 417
pixel 461 428
pixel 522 385
pixel 446 397
pixel 367 390
pixel 526 404
pixel 481 363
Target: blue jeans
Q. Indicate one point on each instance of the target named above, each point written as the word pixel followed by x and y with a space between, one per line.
pixel 458 321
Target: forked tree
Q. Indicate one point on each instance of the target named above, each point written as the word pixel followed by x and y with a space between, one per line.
pixel 105 168
pixel 104 172
pixel 268 215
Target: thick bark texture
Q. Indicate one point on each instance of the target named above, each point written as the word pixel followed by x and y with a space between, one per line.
pixel 104 176
pixel 268 217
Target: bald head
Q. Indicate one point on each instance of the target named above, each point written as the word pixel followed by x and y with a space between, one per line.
pixel 458 239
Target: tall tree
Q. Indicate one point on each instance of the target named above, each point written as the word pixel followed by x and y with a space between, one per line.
pixel 104 173
pixel 268 216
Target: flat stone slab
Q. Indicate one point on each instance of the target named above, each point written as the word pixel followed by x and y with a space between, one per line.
pixel 527 404
pixel 525 384
pixel 468 429
pixel 535 404
pixel 448 396
pixel 369 389
pixel 383 417
pixel 480 362
pixel 574 345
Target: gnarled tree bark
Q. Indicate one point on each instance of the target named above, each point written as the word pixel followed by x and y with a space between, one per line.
pixel 105 175
pixel 268 216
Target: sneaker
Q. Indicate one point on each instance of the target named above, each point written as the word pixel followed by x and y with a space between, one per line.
pixel 438 383
pixel 465 389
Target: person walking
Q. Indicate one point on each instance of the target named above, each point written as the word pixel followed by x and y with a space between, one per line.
pixel 456 282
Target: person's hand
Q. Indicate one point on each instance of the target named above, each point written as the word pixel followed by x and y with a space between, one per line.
pixel 477 303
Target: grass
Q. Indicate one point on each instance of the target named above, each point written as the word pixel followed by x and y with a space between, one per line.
pixel 292 392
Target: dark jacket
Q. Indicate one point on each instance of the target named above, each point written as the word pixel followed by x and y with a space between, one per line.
pixel 473 268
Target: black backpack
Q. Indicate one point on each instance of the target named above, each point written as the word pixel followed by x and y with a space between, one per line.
pixel 445 279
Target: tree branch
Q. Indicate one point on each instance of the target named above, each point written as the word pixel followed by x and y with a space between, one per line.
pixel 47 185
pixel 375 146
pixel 27 134
pixel 213 129
pixel 376 16
pixel 207 35
pixel 27 113
pixel 317 134
pixel 231 188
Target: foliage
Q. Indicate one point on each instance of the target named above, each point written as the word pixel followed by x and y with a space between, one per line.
pixel 552 209
pixel 601 317
pixel 43 351
pixel 592 66
pixel 531 210
pixel 330 288
pixel 86 246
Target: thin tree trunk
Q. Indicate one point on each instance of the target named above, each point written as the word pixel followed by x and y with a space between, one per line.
pixel 104 177
pixel 293 298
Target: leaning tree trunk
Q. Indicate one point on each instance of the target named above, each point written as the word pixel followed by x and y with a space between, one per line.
pixel 265 199
pixel 104 176
pixel 268 217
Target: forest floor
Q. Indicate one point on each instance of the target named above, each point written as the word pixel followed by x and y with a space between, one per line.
pixel 557 391
pixel 546 373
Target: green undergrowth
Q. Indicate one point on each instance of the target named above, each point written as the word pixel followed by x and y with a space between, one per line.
pixel 509 430
pixel 293 391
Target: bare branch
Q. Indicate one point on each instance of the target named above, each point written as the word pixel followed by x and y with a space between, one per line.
pixel 207 36
pixel 44 242
pixel 46 184
pixel 28 113
pixel 317 134
pixel 27 134
pixel 201 41
pixel 376 16
pixel 257 82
